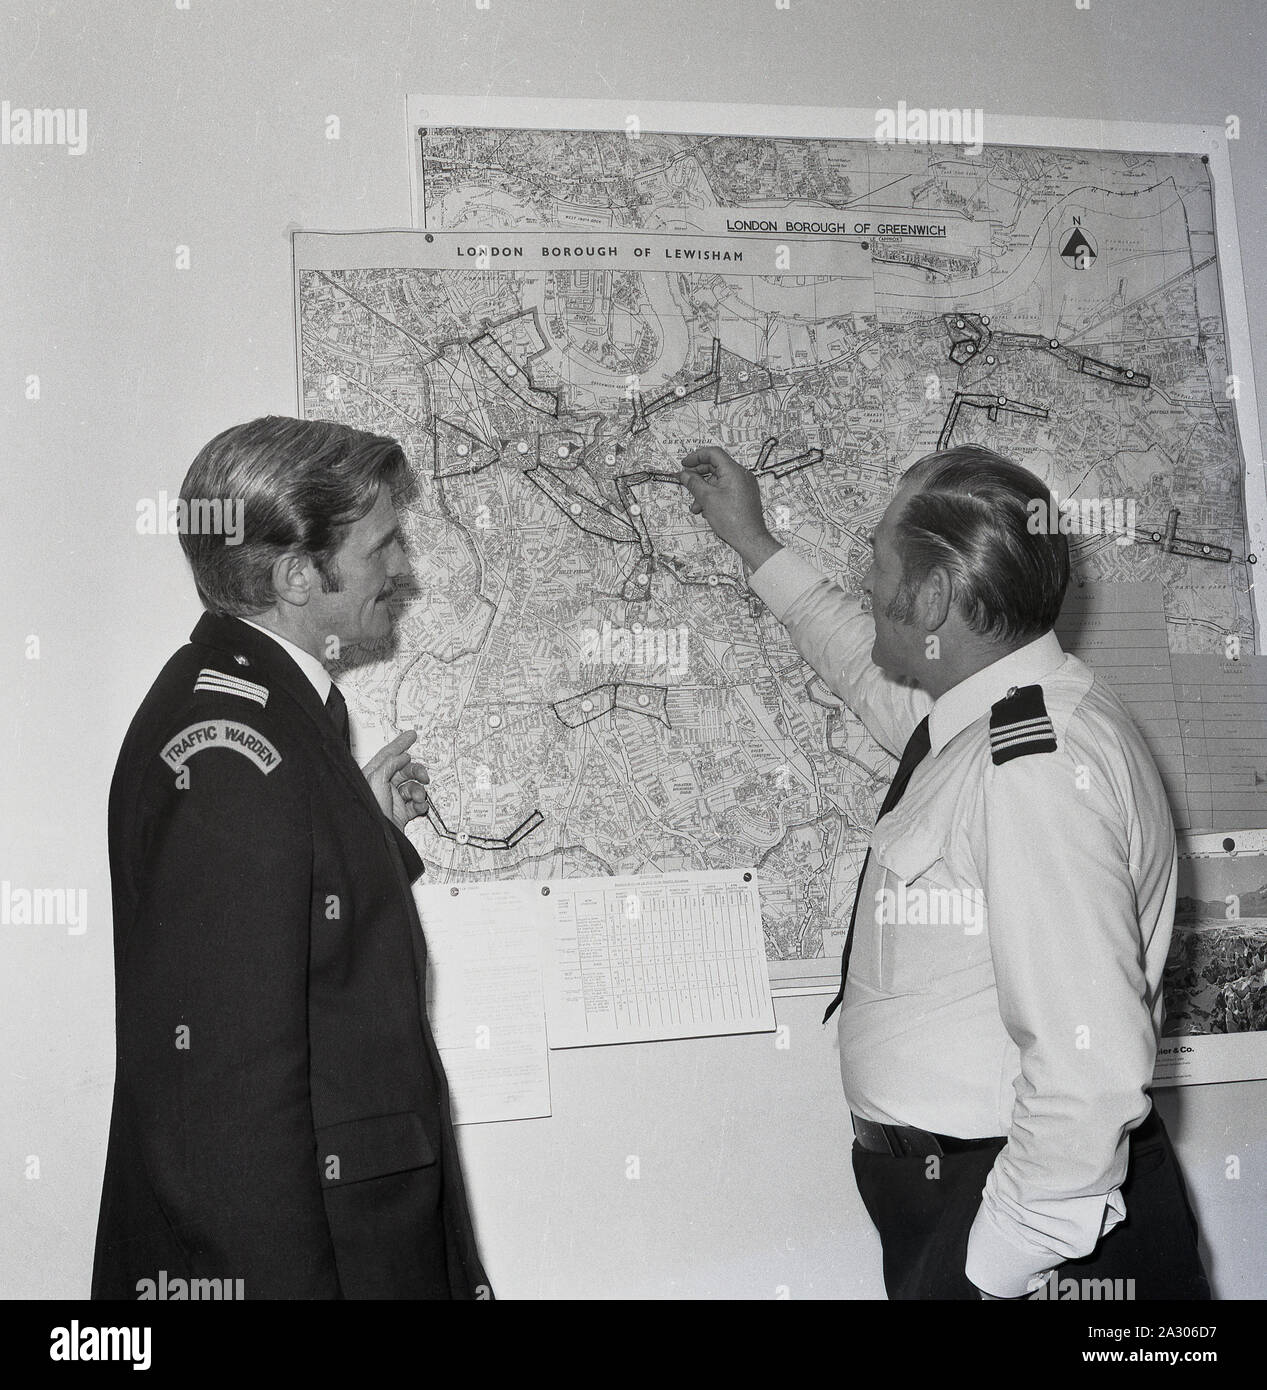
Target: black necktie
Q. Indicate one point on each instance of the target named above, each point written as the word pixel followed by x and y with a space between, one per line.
pixel 913 754
pixel 337 709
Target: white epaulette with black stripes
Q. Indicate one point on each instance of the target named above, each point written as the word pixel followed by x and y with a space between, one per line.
pixel 1020 724
pixel 222 683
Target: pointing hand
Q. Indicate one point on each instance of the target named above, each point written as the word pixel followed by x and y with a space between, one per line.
pixel 728 498
pixel 399 784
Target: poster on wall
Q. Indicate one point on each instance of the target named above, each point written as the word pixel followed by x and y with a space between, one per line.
pixel 1216 973
pixel 592 291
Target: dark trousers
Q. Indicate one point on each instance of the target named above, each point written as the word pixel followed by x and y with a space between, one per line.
pixel 923 1221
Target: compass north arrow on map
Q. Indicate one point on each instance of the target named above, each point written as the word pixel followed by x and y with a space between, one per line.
pixel 1079 249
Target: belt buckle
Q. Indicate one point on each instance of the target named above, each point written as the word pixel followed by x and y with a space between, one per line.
pixel 870 1133
pixel 906 1140
pixel 929 1144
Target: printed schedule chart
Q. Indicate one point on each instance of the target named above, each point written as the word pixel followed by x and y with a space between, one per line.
pixel 670 956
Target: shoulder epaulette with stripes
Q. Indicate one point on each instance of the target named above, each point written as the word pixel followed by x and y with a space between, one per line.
pixel 222 683
pixel 1020 724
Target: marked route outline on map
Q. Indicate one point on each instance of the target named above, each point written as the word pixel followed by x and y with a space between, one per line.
pixel 1073 235
pixel 660 656
pixel 546 397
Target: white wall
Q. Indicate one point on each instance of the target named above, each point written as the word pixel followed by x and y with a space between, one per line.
pixel 207 129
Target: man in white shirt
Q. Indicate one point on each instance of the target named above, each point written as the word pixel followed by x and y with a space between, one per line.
pixel 1001 984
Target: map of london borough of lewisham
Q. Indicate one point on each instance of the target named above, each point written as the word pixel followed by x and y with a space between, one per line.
pixel 595 688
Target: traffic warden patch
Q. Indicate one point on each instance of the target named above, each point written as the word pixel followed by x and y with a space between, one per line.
pixel 1020 724
pixel 222 683
pixel 221 733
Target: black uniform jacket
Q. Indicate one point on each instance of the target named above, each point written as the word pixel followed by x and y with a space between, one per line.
pixel 280 1111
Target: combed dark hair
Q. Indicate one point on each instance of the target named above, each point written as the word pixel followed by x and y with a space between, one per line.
pixel 968 514
pixel 302 483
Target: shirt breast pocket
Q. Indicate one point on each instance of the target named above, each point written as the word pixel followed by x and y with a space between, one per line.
pixel 928 926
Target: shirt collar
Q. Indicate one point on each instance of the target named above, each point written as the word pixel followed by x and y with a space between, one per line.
pixel 306 662
pixel 966 702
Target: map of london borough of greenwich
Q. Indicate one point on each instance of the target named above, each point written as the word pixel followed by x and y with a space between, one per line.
pixel 596 690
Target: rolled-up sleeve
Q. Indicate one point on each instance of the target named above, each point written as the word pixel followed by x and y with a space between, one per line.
pixel 1065 941
pixel 832 632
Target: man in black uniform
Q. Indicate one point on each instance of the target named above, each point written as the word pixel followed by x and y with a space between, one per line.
pixel 281 1115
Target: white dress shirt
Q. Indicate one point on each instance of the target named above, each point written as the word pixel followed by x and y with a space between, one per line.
pixel 306 662
pixel 1005 976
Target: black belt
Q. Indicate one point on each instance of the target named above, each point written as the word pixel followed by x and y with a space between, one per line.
pixel 905 1141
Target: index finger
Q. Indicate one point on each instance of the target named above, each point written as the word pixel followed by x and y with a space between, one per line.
pixel 396 764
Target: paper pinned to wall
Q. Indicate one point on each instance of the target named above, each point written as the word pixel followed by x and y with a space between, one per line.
pixel 1216 971
pixel 584 962
pixel 644 957
pixel 1222 707
pixel 484 996
pixel 1119 630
